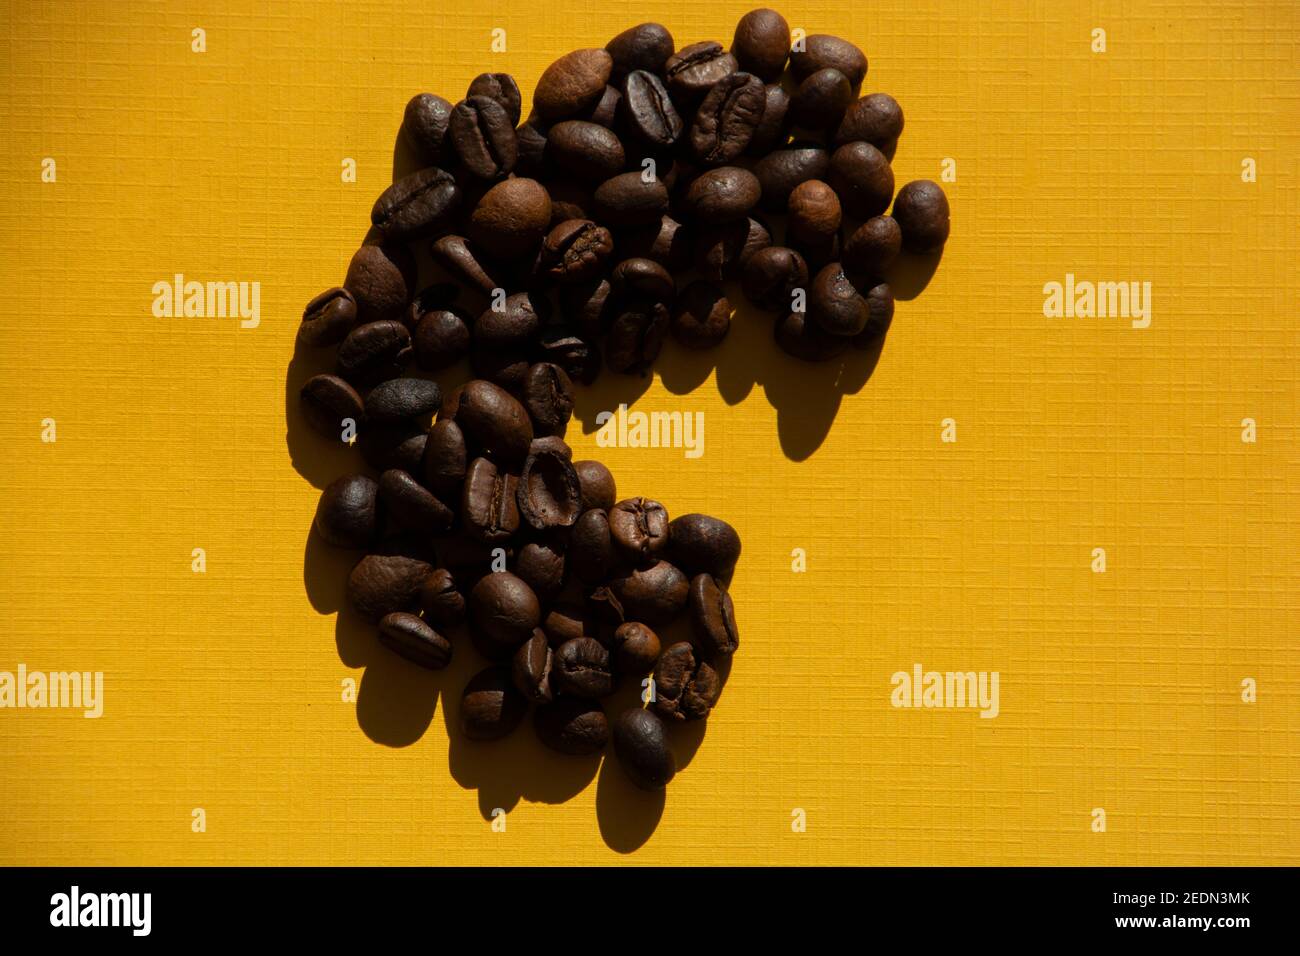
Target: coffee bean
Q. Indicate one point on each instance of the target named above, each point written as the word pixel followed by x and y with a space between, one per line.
pixel 667 242
pixel 441 339
pixel 727 118
pixel 383 583
pixel 548 492
pixel 835 304
pixel 572 726
pixel 374 352
pixel 598 489
pixel 506 370
pixel 773 129
pixel 424 126
pixel 814 212
pixel 820 100
pixel 410 637
pixel 432 298
pixel 540 564
pixel 686 687
pixel 863 179
pixel 571 351
pixel 762 43
pixel 586 150
pixel 636 336
pixel 700 543
pixel 500 87
pixel 646 46
pixel 581 668
pixel 723 195
pixel 799 336
pixel 401 398
pixel 654 595
pixel 636 648
pixel 641 743
pixel 503 613
pixel 491 707
pixel 328 318
pixel 573 83
pixel 576 250
pixel 530 668
pixel 922 213
pixel 783 169
pixel 463 262
pixel 607 109
pixel 530 147
pixel 822 51
pixel 639 527
pixel 483 136
pixel 628 200
pixel 713 616
pixel 880 305
pixel 381 280
pixel 563 623
pixel 328 402
pixel 551 443
pixel 395 445
pixel 417 205
pixel 494 422
pixel 412 505
pixel 648 110
pixel 587 304
pixel 489 509
pixel 702 316
pixel 445 460
pixel 873 246
pixel 511 218
pixel 772 275
pixel 722 250
pixel 876 119
pixel 591 555
pixel 548 397
pixel 510 324
pixel 693 69
pixel 347 515
pixel 441 600
pixel 642 278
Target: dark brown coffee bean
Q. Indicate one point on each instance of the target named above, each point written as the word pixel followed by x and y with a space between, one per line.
pixel 530 147
pixel 922 213
pixel 511 218
pixel 374 352
pixel 702 316
pixel 445 460
pixel 648 110
pixel 401 398
pixel 723 195
pixel 551 443
pixel 328 318
pixel 383 583
pixel 413 506
pixel 572 726
pixel 441 600
pixel 835 304
pixel 417 205
pixel 814 212
pixel 713 615
pixel 693 69
pixel 382 281
pixel 773 130
pixel 483 136
pixel 646 46
pixel 700 543
pixel 586 305
pixel 636 336
pixel 576 250
pixel 541 566
pixel 666 242
pixel 511 324
pixel 639 527
pixel 424 126
pixel 563 623
pixel 873 246
pixel 432 298
pixel 591 555
pixel 636 648
pixel 491 707
pixel 799 336
pixel 629 200
pixel 876 119
pixel 395 445
pixel 489 508
pixel 410 637
pixel 820 100
pixel 762 43
pixel 531 668
pixel 654 595
pixel 586 150
pixel 503 613
pixel 725 122
pixel 772 275
pixel 863 179
pixel 880 305
pixel 573 83
pixel 549 493
pixel 686 687
pixel 328 402
pixel 783 169
pixel 463 262
pixel 821 51
pixel 642 278
pixel 571 351
pixel 721 251
pixel 506 370
pixel 494 422
pixel 347 515
pixel 441 339
pixel 607 109
pixel 581 667
pixel 500 87
pixel 641 743
pixel 548 397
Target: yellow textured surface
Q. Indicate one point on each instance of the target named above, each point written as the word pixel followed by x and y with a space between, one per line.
pixel 1119 691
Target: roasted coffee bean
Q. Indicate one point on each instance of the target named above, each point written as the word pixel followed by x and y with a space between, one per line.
pixel 727 118
pixel 491 707
pixel 573 83
pixel 441 600
pixel 636 648
pixel 500 87
pixel 394 445
pixel 549 493
pixel 581 667
pixel 648 110
pixel 586 304
pixel 374 352
pixel 511 218
pixel 572 726
pixel 445 460
pixel 693 69
pixel 654 595
pixel 328 403
pixel 607 109
pixel 642 278
pixel 628 200
pixel 639 527
pixel 381 280
pixel 835 304
pixel 641 743
pixel 484 138
pixel 713 616
pixel 700 543
pixel 922 213
pixel 686 687
pixel 598 488
pixel 441 339
pixel 772 275
pixel 876 119
pixel 489 509
pixel 552 443
pixel 723 195
pixel 814 212
pixel 801 337
pixel 494 422
pixel 821 51
pixel 646 46
pixel 576 250
pixel 722 251
pixel 873 246
pixel 328 318
pixel 530 668
pixel 541 566
pixel 783 169
pixel 347 515
pixel 820 100
pixel 773 130
pixel 506 369
pixel 432 298
pixel 586 150
pixel 401 398
pixel 415 640
pixel 548 397
pixel 503 613
pixel 417 205
pixel 591 555
pixel 880 305
pixel 762 43
pixel 463 262
pixel 412 505
pixel 569 350
pixel 383 583
pixel 668 243
pixel 862 178
pixel 702 316
pixel 564 622
pixel 424 126
pixel 530 147
pixel 511 325
pixel 636 336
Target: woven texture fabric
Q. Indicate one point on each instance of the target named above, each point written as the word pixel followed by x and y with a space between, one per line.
pixel 1120 691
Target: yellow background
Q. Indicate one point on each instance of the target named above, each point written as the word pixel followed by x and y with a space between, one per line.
pixel 1118 690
